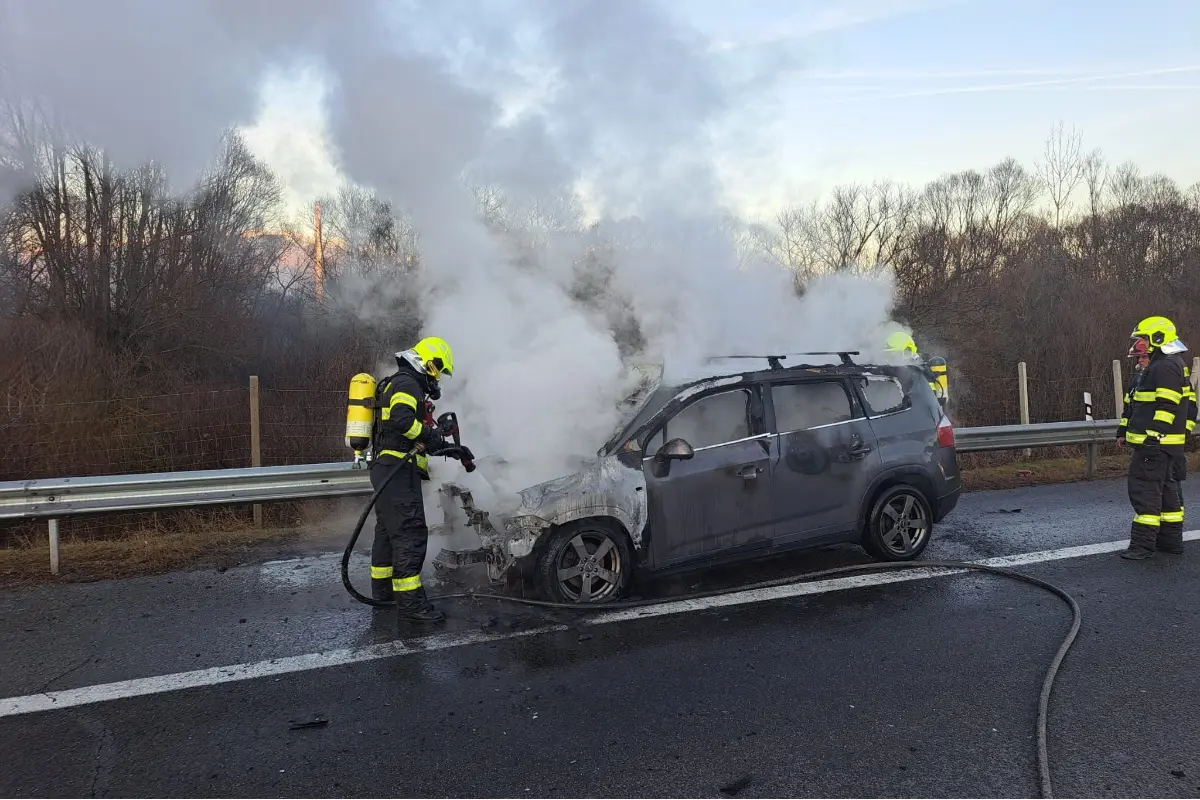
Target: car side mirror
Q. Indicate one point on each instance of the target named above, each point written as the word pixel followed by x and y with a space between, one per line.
pixel 676 449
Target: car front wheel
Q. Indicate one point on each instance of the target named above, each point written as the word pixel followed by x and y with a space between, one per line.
pixel 899 526
pixel 585 562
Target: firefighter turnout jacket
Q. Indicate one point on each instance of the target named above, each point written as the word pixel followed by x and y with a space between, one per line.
pixel 1189 395
pixel 1160 406
pixel 401 399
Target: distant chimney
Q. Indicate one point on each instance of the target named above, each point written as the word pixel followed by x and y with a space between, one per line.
pixel 319 258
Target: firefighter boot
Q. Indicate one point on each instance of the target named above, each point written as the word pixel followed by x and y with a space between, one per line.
pixel 1171 543
pixel 1135 553
pixel 414 606
pixel 381 589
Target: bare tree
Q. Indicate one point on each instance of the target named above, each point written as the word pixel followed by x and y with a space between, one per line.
pixel 862 226
pixel 788 242
pixel 1095 177
pixel 1126 186
pixel 107 277
pixel 1062 168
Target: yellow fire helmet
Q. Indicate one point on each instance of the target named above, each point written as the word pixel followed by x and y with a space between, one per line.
pixel 1157 331
pixel 432 355
pixel 901 342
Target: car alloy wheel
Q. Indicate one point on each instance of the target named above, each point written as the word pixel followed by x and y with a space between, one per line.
pixel 905 524
pixel 900 525
pixel 585 563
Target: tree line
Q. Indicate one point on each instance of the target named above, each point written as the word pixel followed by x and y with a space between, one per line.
pixel 120 295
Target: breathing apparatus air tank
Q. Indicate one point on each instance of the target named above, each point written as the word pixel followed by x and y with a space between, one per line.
pixel 360 414
pixel 941 386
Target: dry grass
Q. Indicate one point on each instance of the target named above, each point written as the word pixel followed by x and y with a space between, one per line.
pixel 131 545
pixel 1057 470
pixel 139 554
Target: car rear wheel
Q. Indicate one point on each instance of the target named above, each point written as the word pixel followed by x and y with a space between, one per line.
pixel 585 562
pixel 900 525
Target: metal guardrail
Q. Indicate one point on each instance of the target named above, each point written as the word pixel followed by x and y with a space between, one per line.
pixel 1045 434
pixel 54 498
pixel 66 497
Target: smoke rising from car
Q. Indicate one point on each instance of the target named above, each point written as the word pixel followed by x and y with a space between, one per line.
pixel 603 110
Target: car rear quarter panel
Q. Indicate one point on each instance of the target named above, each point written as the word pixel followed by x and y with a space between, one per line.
pixel 906 437
pixel 909 449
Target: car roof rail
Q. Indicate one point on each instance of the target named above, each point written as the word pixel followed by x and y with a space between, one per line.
pixel 845 355
pixel 772 360
pixel 775 361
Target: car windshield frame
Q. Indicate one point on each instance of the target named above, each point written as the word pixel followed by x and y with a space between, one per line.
pixel 634 403
pixel 653 403
pixel 660 398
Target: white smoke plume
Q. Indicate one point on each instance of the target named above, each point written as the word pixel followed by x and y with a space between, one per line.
pixel 609 105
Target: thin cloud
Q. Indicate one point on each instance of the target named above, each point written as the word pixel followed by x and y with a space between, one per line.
pixel 1004 87
pixel 935 75
pixel 832 18
pixel 1139 87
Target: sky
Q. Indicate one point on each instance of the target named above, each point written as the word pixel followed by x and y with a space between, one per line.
pixel 906 90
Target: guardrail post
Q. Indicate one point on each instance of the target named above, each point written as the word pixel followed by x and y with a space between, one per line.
pixel 1118 389
pixel 1023 394
pixel 255 442
pixel 1093 452
pixel 53 547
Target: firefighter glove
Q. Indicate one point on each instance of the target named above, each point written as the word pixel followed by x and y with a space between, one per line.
pixel 434 443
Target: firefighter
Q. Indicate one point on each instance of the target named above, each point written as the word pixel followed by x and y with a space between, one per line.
pixel 1140 360
pixel 1155 424
pixel 1179 462
pixel 903 344
pixel 401 536
pixel 1180 465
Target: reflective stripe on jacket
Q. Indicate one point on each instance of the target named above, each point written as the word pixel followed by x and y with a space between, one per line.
pixel 400 428
pixel 1158 405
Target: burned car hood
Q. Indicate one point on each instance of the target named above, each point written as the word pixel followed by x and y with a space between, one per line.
pixel 605 488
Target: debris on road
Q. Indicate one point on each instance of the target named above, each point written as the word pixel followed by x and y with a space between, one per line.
pixel 315 722
pixel 731 789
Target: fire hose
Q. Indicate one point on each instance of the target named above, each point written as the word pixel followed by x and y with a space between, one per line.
pixel 1042 733
pixel 448 423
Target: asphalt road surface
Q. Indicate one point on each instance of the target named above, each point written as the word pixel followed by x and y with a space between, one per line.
pixel 893 685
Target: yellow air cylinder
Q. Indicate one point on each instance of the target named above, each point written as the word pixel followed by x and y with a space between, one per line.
pixel 938 365
pixel 360 412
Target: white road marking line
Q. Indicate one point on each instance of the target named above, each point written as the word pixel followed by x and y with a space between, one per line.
pixel 47 701
pixel 85 695
pixel 858 581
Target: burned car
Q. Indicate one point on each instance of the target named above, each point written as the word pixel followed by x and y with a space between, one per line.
pixel 736 466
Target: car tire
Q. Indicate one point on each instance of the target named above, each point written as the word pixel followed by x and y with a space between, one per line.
pixel 563 571
pixel 896 513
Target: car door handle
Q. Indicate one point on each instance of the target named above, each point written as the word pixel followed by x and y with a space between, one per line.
pixel 749 471
pixel 858 451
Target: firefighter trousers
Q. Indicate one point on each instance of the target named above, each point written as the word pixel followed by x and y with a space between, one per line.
pixel 1157 501
pixel 401 536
